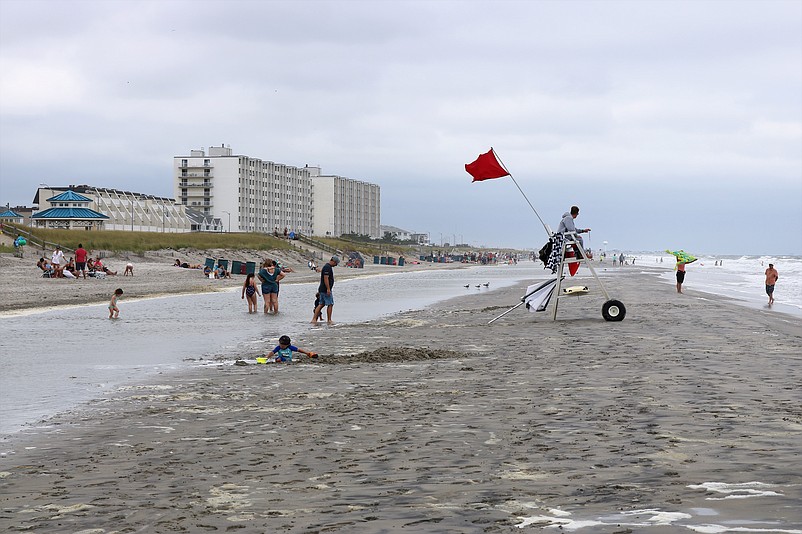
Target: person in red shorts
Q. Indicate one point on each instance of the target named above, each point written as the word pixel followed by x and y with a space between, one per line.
pixel 771 278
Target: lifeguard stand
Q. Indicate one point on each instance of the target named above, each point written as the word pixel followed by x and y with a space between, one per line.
pixel 574 253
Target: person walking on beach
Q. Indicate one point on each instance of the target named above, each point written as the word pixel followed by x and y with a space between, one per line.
pixel 285 348
pixel 80 259
pixel 56 261
pixel 114 311
pixel 680 274
pixel 251 290
pixel 771 278
pixel 270 276
pixel 325 287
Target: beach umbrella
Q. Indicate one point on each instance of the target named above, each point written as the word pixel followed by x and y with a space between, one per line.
pixel 537 296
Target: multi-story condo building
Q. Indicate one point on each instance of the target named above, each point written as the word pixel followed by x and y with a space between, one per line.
pixel 253 195
pixel 247 194
pixel 344 206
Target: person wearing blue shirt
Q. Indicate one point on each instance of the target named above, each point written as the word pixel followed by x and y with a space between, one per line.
pixel 285 348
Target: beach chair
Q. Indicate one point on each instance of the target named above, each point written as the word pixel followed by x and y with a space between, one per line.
pixel 223 264
pixel 250 267
pixel 236 267
pixel 210 263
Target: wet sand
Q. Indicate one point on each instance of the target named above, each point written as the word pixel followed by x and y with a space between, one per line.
pixel 433 421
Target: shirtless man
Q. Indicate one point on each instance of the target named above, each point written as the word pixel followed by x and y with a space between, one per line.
pixel 771 278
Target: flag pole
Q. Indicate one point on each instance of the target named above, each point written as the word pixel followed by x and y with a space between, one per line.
pixel 546 228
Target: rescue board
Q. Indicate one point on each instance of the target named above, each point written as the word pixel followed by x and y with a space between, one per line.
pixel 575 290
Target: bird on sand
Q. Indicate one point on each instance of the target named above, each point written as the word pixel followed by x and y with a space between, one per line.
pixel 467 285
pixel 486 284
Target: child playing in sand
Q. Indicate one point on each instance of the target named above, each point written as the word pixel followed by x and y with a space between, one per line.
pixel 283 352
pixel 114 311
pixel 250 289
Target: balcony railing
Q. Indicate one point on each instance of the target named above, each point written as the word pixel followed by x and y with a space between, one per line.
pixel 194 166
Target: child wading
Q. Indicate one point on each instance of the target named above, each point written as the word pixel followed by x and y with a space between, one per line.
pixel 251 290
pixel 114 311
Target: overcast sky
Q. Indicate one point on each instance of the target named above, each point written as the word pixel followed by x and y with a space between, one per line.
pixel 671 124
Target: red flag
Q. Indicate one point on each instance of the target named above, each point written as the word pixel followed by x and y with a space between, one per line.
pixel 485 167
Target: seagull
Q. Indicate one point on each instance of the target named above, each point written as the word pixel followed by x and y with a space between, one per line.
pixel 486 284
pixel 478 286
pixel 467 285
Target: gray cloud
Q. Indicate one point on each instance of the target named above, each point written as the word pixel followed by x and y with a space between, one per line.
pixel 639 107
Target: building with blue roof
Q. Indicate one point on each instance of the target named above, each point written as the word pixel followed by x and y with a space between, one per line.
pixel 124 210
pixel 69 210
pixel 11 216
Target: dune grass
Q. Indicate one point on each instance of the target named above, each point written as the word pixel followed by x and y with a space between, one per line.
pixel 371 249
pixel 139 242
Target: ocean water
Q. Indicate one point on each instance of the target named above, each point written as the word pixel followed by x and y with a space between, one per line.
pixel 54 360
pixel 738 277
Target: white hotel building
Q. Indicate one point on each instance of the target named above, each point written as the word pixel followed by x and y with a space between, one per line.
pixel 344 206
pixel 252 195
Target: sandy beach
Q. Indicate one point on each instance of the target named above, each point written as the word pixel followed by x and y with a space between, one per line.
pixel 684 417
pixel 154 274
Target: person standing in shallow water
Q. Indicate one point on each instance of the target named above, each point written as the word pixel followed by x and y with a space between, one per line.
pixel 771 278
pixel 270 276
pixel 326 297
pixel 114 311
pixel 251 290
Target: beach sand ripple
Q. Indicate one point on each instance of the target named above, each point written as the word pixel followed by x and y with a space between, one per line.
pixel 683 417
